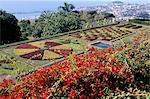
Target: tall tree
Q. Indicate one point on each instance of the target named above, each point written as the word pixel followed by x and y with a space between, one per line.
pixel 59 22
pixel 9 30
pixel 67 7
pixel 25 28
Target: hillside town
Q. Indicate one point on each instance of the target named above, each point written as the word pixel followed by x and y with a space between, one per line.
pixel 122 11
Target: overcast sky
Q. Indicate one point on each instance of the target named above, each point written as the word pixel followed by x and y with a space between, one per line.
pixel 82 0
pixel 128 1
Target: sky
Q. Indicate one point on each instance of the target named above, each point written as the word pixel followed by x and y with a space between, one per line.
pixel 146 1
pixel 127 1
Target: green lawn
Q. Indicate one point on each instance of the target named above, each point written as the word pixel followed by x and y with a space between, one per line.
pixel 76 44
pixel 10 65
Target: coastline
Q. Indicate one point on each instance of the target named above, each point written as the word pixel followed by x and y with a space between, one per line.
pixel 109 7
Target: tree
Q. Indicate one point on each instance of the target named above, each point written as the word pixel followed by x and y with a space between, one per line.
pixel 9 30
pixel 38 27
pixel 94 19
pixel 67 7
pixel 38 33
pixel 25 28
pixel 59 22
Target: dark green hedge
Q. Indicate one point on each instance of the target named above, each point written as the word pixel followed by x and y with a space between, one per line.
pixel 140 21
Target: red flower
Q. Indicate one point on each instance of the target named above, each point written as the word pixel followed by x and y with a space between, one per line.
pixel 91 94
pixel 119 68
pixel 68 80
pixel 92 49
pixel 81 89
pixel 94 89
pixel 114 69
pixel 72 94
pixel 100 94
pixel 129 53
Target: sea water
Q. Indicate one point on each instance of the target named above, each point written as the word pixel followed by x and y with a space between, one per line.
pixel 32 8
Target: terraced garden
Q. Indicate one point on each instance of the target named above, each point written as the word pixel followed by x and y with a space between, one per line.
pixel 104 33
pixel 44 52
pixel 85 70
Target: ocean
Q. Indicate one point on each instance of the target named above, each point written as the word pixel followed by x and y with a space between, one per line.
pixel 32 9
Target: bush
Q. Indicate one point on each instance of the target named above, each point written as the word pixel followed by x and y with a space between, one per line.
pixel 10 31
pixel 141 21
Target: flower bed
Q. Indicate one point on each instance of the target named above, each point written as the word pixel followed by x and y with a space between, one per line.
pixel 130 26
pixel 42 50
pixel 93 74
pixel 104 33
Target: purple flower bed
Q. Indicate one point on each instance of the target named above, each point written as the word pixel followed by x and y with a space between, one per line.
pixel 34 55
pixel 62 51
pixel 51 44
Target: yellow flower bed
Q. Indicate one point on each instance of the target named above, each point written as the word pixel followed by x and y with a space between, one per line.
pixel 23 51
pixel 64 46
pixel 89 32
pixel 39 44
pixel 50 55
pixel 82 34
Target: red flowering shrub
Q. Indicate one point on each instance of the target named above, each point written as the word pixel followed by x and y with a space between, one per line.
pixel 93 74
pixel 5 87
pixel 137 56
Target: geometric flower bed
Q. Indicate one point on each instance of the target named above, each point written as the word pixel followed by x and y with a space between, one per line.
pixel 42 50
pixel 104 33
pixel 130 26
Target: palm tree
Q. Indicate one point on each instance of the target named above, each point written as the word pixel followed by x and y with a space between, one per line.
pixel 67 7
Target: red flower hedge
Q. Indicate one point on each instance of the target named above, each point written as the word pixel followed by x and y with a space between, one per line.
pixel 93 74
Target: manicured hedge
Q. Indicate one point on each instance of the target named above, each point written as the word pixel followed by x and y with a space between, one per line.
pixel 140 21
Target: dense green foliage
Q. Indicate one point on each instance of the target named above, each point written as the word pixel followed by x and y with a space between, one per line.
pixel 59 22
pixel 94 19
pixel 9 31
pixel 25 28
pixel 141 21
